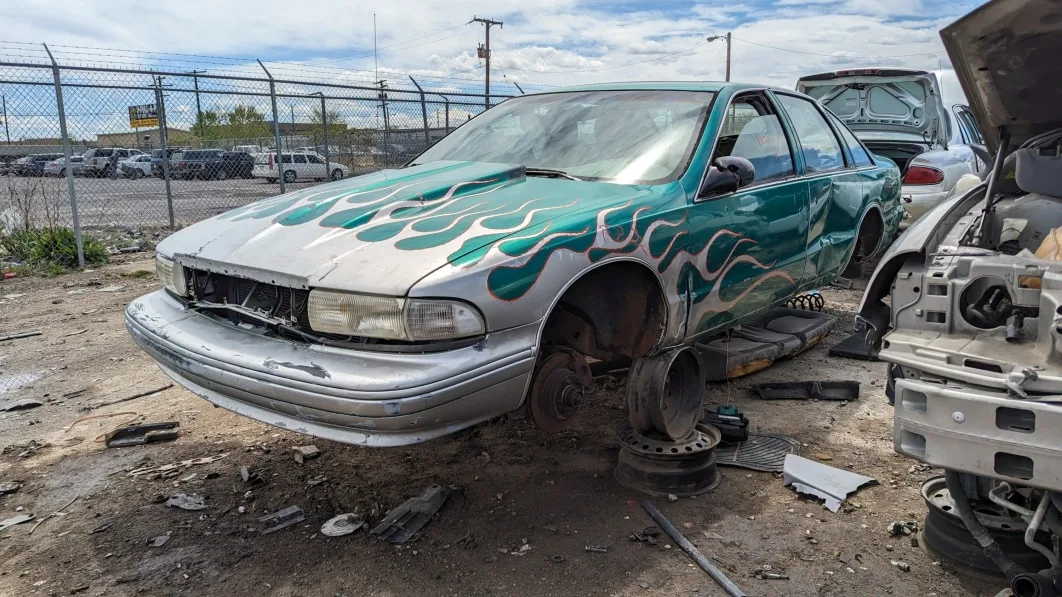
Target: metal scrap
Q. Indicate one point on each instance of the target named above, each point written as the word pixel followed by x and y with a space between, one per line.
pixel 25 404
pixel 128 398
pixel 282 519
pixel 58 512
pixel 18 335
pixel 808 390
pixel 344 524
pixel 10 522
pixel 814 478
pixel 186 502
pixel 9 487
pixel 646 535
pixel 136 435
pixel 717 575
pixel 404 521
pixel 172 470
pixel 304 453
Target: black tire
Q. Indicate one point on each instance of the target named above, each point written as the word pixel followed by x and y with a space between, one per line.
pixel 62 173
pixel 271 180
pixel 289 176
pixel 337 174
pixel 222 174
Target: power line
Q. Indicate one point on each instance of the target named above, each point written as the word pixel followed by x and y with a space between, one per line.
pixel 834 55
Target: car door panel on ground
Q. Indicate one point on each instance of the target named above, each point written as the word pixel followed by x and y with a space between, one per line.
pixel 749 245
pixel 836 186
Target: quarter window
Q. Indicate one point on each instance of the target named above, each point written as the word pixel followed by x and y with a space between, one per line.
pixel 314 159
pixel 300 159
pixel 751 130
pixel 819 145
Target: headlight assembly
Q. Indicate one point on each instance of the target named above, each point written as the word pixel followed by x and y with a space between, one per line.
pixel 414 320
pixel 171 275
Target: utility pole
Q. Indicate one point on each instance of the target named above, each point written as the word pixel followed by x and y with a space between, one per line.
pixel 727 39
pixel 484 52
pixel 7 131
pixel 198 108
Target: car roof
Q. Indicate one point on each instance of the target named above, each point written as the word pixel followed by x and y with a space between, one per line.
pixel 712 86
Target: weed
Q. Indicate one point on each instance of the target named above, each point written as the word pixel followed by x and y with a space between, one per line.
pixel 51 250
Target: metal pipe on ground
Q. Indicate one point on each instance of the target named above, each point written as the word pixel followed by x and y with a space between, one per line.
pixel 706 565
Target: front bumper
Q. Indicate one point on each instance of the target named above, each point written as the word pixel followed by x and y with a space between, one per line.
pixel 351 396
pixel 979 431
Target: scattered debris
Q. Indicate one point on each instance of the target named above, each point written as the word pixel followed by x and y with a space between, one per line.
pixel 172 470
pixel 713 536
pixel 904 566
pixel 646 535
pixel 898 528
pixel 844 283
pixel 127 413
pixel 186 502
pixel 79 589
pixel 128 398
pixel 304 453
pixel 731 422
pixel 282 519
pixel 764 575
pixel 672 498
pixel 18 335
pixel 27 449
pixel 808 390
pixel 101 528
pixel 344 524
pixel 314 482
pixel 111 288
pixel 252 478
pixel 159 541
pixel 77 333
pixel 557 559
pixel 760 452
pixel 9 487
pixel 137 435
pixel 58 512
pixel 808 301
pixel 714 572
pixel 10 522
pixel 595 549
pixel 824 481
pixel 25 404
pixel 404 521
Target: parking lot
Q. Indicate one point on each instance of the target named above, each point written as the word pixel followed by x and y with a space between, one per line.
pixel 108 203
pixel 524 505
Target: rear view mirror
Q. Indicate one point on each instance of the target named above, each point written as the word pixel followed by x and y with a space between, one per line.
pixel 727 174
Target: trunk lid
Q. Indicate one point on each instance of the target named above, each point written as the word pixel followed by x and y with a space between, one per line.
pixel 1005 55
pixel 876 103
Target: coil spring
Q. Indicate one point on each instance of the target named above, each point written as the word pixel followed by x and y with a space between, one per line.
pixel 809 301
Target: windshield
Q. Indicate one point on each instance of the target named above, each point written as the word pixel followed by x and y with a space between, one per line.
pixel 629 137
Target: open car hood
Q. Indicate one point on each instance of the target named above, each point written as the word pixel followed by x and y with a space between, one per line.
pixel 1005 54
pixel 882 101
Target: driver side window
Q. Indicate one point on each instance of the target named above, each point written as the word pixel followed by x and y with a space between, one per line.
pixel 751 130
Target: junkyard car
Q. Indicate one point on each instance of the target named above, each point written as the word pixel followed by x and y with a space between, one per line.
pixel 900 114
pixel 608 221
pixel 967 304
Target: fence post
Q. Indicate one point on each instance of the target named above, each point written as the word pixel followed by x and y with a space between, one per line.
pixel 69 166
pixel 160 113
pixel 446 101
pixel 324 127
pixel 276 128
pixel 423 113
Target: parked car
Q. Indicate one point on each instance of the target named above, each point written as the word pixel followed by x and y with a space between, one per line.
pixel 136 167
pixel 103 161
pixel 298 166
pixel 965 308
pixel 900 114
pixel 407 304
pixel 174 154
pixel 200 163
pixel 57 167
pixel 251 149
pixel 237 164
pixel 33 165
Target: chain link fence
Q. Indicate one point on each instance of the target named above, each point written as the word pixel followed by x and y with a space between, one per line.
pixel 163 150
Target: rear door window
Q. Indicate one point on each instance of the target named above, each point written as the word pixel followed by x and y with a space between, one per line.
pixel 860 156
pixel 300 159
pixel 968 125
pixel 821 149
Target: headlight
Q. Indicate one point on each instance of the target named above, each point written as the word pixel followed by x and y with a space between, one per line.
pixel 171 275
pixel 392 318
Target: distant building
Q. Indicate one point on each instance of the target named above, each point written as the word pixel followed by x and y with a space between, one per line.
pixel 144 139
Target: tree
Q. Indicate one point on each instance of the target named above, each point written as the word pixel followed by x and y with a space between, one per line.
pixel 207 125
pixel 245 122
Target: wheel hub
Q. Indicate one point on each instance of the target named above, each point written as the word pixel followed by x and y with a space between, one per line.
pixel 559 390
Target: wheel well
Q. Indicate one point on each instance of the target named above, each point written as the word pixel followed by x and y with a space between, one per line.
pixel 614 313
pixel 871 229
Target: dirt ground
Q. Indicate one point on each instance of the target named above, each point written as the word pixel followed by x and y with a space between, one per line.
pixel 511 485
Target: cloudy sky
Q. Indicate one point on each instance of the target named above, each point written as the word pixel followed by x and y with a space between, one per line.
pixel 544 43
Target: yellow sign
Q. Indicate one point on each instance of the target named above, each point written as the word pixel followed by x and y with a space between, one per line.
pixel 142 117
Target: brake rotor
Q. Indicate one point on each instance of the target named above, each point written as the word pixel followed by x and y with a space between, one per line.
pixel 561 382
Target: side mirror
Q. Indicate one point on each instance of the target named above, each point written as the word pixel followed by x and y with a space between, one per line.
pixel 727 174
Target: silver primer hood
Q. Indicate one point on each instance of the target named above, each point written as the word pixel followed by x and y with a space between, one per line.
pixel 1006 55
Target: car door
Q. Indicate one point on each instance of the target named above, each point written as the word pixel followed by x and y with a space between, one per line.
pixel 748 245
pixel 316 167
pixel 835 187
pixel 302 167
